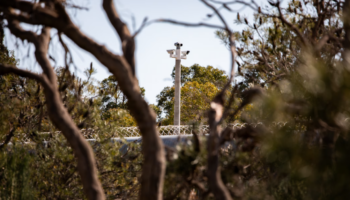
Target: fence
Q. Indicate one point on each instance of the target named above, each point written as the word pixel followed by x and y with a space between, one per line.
pixel 133 133
pixel 170 130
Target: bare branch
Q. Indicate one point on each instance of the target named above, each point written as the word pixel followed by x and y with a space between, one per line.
pixel 58 113
pixel 9 69
pixel 66 50
pixel 217 13
pixel 188 24
pixel 128 43
pixel 216 111
pixel 19 32
pixel 248 4
pixel 117 23
pixel 70 5
pixel 231 43
pixel 290 25
pixel 144 23
pixel 154 157
pixel 214 173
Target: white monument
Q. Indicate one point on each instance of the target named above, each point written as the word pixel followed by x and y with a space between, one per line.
pixel 178 55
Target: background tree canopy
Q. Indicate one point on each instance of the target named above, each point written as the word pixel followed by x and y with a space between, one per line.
pixel 199 86
pixel 114 103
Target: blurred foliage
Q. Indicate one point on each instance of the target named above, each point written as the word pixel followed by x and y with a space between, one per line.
pixel 268 49
pixel 48 170
pixel 35 160
pixel 45 167
pixel 296 141
pixel 15 175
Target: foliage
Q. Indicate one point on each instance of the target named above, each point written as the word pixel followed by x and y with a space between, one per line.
pixel 120 117
pixel 201 78
pixel 269 48
pixel 114 103
pixel 50 171
pixel 45 167
pixel 166 104
pixel 16 176
pixel 157 110
pixel 196 99
pixel 295 143
pixel 202 75
pixel 314 140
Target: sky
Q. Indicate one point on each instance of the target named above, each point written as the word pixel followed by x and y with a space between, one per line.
pixel 153 64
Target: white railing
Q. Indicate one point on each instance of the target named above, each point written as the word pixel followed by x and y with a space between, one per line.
pixel 170 130
pixel 135 131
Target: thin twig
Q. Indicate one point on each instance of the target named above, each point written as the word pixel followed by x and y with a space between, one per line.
pixel 144 23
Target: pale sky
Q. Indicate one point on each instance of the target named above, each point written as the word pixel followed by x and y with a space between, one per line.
pixel 153 64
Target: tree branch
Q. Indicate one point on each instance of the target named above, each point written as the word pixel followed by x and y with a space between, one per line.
pixel 144 23
pixel 128 42
pixel 31 37
pixel 58 113
pixel 9 69
pixel 214 173
pixel 231 43
pixel 188 24
pixel 19 32
pixel 216 111
pixel 154 157
pixel 63 121
pixel 295 29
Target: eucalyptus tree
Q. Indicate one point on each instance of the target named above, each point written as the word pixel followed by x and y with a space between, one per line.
pixel 207 81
